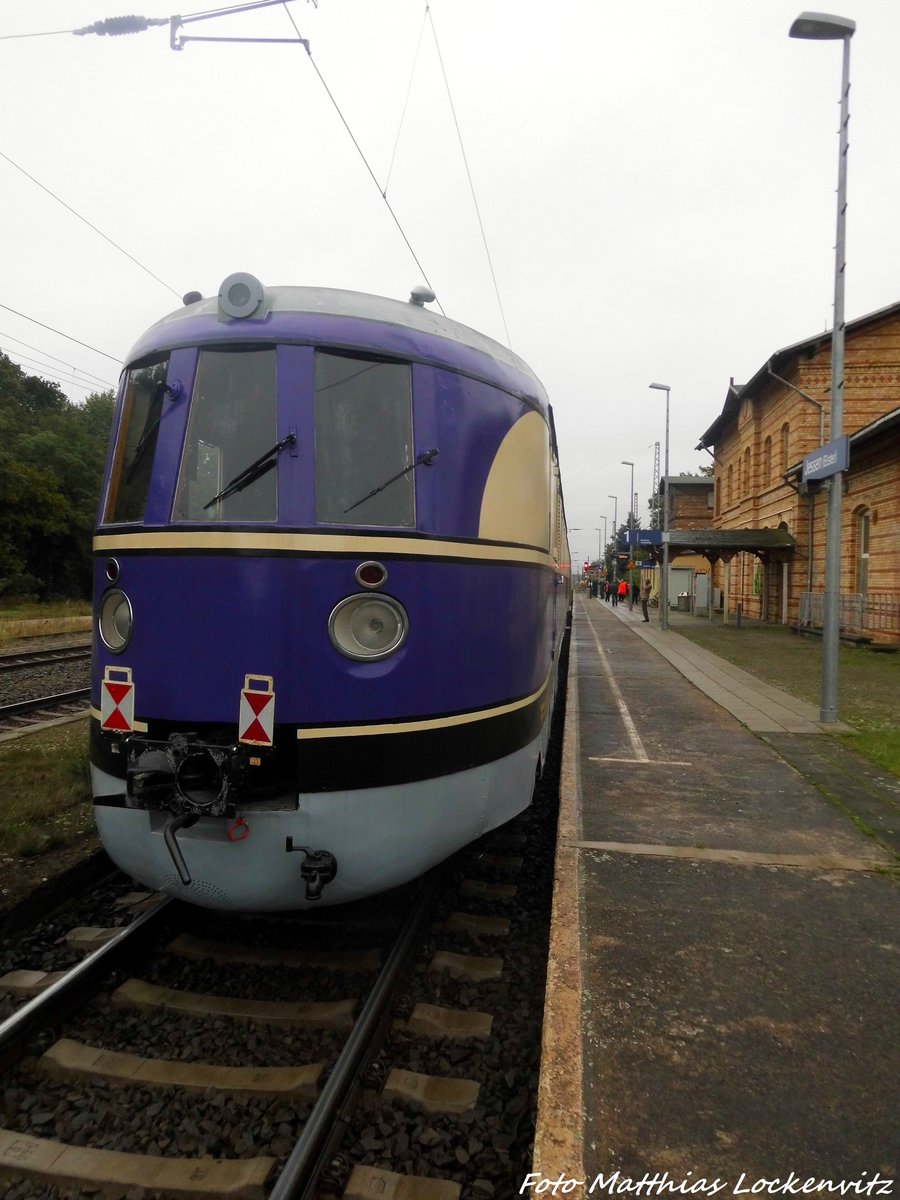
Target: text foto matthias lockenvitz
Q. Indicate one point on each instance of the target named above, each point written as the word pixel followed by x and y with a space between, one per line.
pixel 663 1184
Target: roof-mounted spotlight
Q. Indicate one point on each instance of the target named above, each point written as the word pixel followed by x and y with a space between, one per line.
pixel 240 295
pixel 420 296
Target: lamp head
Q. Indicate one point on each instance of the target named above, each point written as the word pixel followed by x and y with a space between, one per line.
pixel 820 27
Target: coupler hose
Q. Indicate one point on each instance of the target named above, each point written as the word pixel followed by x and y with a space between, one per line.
pixel 182 821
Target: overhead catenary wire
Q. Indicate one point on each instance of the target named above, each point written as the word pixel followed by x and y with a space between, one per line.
pixel 600 467
pixel 8 37
pixel 90 225
pixel 361 154
pixel 115 26
pixel 34 367
pixel 46 354
pixel 487 251
pixel 405 102
pixel 59 333
pixel 59 370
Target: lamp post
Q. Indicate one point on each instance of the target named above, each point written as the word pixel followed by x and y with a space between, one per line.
pixel 603 547
pixel 626 463
pixel 664 582
pixel 598 529
pixel 615 500
pixel 822 27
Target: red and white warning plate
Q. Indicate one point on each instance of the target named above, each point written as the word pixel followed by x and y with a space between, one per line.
pixel 117 700
pixel 256 724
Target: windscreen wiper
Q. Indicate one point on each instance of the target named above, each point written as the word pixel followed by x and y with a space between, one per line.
pixel 424 460
pixel 264 463
pixel 140 449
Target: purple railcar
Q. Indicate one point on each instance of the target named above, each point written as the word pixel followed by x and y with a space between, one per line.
pixel 331 581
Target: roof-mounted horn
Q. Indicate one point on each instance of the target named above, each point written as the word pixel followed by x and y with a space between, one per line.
pixel 420 296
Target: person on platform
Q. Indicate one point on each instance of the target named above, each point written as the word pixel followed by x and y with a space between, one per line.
pixel 623 591
pixel 645 598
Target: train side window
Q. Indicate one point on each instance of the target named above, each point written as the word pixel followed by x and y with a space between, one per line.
pixel 364 442
pixel 142 409
pixel 232 423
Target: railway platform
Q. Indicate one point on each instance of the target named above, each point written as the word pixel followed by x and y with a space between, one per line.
pixel 721 1012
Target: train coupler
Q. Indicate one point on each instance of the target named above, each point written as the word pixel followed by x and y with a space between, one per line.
pixel 317 868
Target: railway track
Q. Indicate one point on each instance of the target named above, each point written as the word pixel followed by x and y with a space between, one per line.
pixel 24 714
pixel 27 1154
pixel 156 1064
pixel 35 658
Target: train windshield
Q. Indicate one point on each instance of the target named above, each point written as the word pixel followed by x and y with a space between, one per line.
pixel 142 409
pixel 232 423
pixel 363 437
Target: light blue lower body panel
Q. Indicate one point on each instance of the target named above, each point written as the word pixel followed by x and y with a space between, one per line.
pixel 379 837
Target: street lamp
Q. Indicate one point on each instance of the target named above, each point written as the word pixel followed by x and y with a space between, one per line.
pixel 615 500
pixel 626 463
pixel 822 27
pixel 631 495
pixel 664 582
pixel 596 529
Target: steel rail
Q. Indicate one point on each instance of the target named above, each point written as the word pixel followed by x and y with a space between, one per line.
pixel 36 658
pixel 329 1117
pixel 62 998
pixel 24 706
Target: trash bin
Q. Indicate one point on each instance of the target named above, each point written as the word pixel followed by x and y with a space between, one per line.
pixel 684 602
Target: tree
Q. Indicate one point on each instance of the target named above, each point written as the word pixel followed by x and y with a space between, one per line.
pixel 52 455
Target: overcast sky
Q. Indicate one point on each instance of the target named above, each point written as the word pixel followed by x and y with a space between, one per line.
pixel 656 181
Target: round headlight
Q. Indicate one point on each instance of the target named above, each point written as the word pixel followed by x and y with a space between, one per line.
pixel 367 627
pixel 115 620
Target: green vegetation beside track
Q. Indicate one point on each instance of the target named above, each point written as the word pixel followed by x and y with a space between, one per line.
pixel 868 680
pixel 45 791
pixel 24 619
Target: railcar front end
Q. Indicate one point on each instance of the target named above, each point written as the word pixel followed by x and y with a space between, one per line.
pixel 331 581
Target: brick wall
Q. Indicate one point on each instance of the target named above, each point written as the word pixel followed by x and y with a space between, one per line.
pixel 772 430
pixel 689 506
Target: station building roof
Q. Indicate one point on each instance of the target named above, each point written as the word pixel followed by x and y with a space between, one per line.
pixel 777 363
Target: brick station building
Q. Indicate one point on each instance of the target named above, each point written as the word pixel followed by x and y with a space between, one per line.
pixel 766 546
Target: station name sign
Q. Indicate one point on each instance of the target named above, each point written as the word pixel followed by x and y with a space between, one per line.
pixel 828 460
pixel 642 537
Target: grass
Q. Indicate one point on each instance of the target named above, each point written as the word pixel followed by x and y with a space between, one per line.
pixel 868 682
pixel 17 617
pixel 27 610
pixel 45 791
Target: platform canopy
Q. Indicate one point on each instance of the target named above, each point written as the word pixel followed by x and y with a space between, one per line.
pixel 714 544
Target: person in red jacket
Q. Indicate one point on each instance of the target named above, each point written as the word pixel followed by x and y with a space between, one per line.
pixel 623 590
